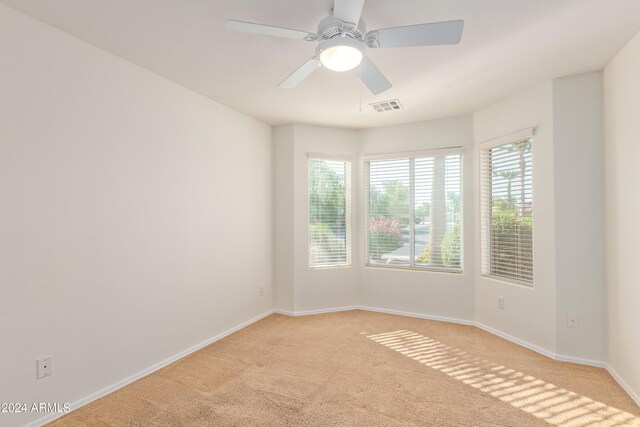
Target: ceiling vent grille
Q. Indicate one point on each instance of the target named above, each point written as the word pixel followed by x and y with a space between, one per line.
pixel 384 106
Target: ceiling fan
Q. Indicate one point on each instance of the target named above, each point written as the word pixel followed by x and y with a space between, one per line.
pixel 343 41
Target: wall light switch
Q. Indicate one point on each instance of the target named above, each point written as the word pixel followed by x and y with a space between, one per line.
pixel 500 303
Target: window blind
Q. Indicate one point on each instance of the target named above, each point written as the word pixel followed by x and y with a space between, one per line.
pixel 414 211
pixel 329 224
pixel 389 213
pixel 507 211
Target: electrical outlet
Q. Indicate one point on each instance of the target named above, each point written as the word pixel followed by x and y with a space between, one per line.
pixel 261 291
pixel 45 367
pixel 573 321
pixel 500 303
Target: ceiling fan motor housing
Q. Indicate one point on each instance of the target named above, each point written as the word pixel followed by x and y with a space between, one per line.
pixel 341 46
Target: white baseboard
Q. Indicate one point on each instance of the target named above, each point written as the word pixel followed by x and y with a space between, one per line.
pixel 515 340
pixel 418 315
pixel 530 346
pixel 581 361
pixel 538 349
pixel 623 384
pixel 147 371
pixel 493 331
pixel 310 312
pixel 543 351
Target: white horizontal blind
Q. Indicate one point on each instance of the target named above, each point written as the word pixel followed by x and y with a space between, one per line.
pixel 389 212
pixel 414 211
pixel 329 213
pixel 438 204
pixel 507 211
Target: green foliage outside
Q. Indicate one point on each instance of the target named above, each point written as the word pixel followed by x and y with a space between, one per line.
pixel 422 213
pixel 325 240
pixel 509 226
pixel 389 214
pixel 326 195
pixel 450 249
pixel 391 202
pixel 454 206
pixel 327 208
pixel 511 239
pixel 423 258
pixel 384 236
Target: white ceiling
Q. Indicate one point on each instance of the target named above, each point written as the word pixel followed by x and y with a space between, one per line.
pixel 507 46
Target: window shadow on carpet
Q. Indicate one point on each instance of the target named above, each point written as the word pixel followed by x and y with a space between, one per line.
pixel 546 401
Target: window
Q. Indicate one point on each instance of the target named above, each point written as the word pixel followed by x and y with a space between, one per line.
pixel 507 209
pixel 329 213
pixel 414 210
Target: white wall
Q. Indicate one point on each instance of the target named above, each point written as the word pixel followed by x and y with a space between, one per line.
pixel 530 312
pixel 135 216
pixel 312 289
pixel 568 220
pixel 579 215
pixel 423 292
pixel 622 189
pixel 283 210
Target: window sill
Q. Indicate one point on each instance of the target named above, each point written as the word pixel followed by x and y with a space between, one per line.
pixel 330 267
pixel 506 281
pixel 409 268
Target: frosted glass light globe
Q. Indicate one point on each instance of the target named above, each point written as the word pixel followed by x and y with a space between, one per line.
pixel 340 53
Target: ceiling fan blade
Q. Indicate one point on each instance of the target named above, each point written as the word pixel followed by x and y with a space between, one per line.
pixel 348 10
pixel 436 33
pixel 372 77
pixel 269 30
pixel 300 74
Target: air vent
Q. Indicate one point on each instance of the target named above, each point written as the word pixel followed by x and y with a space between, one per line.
pixel 390 105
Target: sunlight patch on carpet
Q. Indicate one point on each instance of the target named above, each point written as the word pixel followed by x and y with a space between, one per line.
pixel 553 404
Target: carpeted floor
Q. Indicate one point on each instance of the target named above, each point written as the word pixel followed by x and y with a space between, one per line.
pixel 360 368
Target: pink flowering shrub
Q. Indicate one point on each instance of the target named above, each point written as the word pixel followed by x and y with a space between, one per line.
pixel 384 236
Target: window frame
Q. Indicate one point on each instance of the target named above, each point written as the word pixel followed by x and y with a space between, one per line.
pixel 522 135
pixel 348 209
pixel 437 152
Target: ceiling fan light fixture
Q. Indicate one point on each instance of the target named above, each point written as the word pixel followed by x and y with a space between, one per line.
pixel 340 53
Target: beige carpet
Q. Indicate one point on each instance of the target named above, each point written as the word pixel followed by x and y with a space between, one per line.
pixel 360 368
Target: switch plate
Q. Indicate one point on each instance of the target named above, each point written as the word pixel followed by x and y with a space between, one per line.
pixel 45 367
pixel 500 303
pixel 573 321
